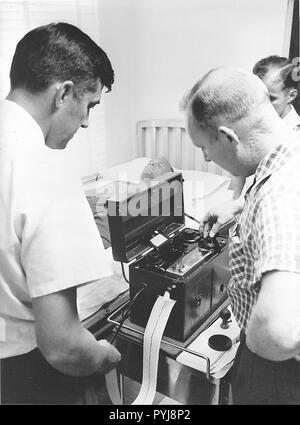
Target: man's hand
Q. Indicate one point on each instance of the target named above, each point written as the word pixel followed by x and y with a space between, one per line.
pixel 113 356
pixel 215 218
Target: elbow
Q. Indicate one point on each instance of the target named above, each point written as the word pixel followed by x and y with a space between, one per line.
pixel 288 337
pixel 65 357
pixel 274 340
pixel 60 358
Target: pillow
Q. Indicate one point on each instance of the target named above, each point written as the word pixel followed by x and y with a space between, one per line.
pixel 131 171
pixel 200 184
pixel 128 171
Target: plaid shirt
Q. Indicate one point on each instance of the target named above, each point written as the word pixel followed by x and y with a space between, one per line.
pixel 266 235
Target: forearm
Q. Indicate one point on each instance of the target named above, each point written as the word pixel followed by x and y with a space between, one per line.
pixel 238 205
pixel 79 354
pixel 62 340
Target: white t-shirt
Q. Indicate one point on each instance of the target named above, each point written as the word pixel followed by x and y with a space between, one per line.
pixel 292 119
pixel 48 237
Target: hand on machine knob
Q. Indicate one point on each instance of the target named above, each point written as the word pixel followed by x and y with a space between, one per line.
pixel 225 315
pixel 219 215
pixel 210 243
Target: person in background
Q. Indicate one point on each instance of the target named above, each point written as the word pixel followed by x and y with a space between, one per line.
pixel 47 357
pixel 230 117
pixel 276 72
pixel 155 168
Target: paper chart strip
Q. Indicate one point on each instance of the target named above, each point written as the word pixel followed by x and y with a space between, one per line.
pixel 152 339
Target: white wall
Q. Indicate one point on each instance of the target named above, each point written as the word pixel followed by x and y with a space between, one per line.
pixel 159 48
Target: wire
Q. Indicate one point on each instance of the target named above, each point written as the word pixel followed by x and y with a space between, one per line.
pixel 131 303
pixel 107 240
pixel 192 218
pixel 123 271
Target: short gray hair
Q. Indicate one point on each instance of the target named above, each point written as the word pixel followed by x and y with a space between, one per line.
pixel 224 96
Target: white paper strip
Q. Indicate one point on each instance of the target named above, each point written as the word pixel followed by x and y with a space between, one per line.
pixel 152 338
pixel 112 385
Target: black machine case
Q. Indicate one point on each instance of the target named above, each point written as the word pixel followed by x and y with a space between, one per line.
pixel 140 212
pixel 147 229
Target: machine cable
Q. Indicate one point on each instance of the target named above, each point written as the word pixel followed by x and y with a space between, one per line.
pixel 127 312
pixel 123 272
pixel 192 218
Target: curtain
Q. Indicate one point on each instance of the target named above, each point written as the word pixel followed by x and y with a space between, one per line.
pixel 87 150
pixel 294 51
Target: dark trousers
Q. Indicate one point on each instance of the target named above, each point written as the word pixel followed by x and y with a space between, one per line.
pixel 30 379
pixel 257 381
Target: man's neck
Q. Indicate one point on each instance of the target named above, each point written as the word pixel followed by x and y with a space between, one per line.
pixel 286 111
pixel 263 142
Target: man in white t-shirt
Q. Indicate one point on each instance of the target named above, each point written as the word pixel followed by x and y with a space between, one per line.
pixel 57 76
pixel 276 72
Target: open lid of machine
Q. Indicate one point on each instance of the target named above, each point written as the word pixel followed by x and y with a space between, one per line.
pixel 145 215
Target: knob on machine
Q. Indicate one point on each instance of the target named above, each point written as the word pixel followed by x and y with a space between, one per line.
pixel 156 258
pixel 225 316
pixel 210 243
pixel 191 235
pixel 222 342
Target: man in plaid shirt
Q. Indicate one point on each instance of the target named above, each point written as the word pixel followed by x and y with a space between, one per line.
pixel 230 117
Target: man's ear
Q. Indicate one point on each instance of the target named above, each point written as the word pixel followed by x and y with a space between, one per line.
pixel 63 92
pixel 293 93
pixel 228 135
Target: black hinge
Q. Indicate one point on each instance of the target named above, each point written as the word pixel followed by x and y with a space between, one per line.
pixel 143 254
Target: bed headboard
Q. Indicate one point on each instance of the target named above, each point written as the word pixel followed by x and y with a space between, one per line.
pixel 169 138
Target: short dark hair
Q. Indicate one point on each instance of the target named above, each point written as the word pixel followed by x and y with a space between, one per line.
pixel 59 52
pixel 284 65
